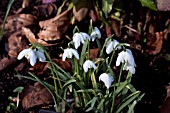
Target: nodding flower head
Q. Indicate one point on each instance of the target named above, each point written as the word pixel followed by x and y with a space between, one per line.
pixel 80 38
pixel 107 79
pixel 32 55
pixel 88 64
pixel 112 45
pixel 69 52
pixel 95 33
pixel 127 58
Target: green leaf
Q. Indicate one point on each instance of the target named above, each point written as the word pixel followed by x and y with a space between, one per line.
pixel 70 81
pixel 83 52
pixel 127 101
pixel 18 89
pixel 6 15
pixel 149 3
pixel 107 6
pixel 121 87
pixel 167 57
pixel 92 102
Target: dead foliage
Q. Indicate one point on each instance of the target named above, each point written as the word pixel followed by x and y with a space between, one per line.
pixel 53 28
pixel 36 95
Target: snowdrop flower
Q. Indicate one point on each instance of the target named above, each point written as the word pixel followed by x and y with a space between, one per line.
pixel 69 52
pixel 40 54
pixel 107 79
pixel 95 33
pixel 80 37
pixel 111 45
pixel 127 58
pixel 88 64
pixel 32 55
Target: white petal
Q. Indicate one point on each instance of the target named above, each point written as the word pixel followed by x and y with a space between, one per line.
pixel 32 57
pixel 129 57
pixel 120 58
pixel 75 53
pixel 40 55
pixel 85 67
pixel 95 33
pixel 76 40
pixel 86 36
pixel 115 43
pixel 131 69
pixel 88 64
pixel 107 79
pixel 109 48
pixel 64 56
pixel 23 53
pixel 93 65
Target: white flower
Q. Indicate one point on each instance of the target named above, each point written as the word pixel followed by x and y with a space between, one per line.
pixel 69 52
pixel 88 64
pixel 111 45
pixel 95 33
pixel 107 79
pixel 127 58
pixel 29 54
pixel 32 55
pixel 80 37
pixel 40 55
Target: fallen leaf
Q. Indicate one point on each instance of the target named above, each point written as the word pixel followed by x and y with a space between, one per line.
pixel 36 95
pixel 5 62
pixel 48 1
pixel 45 10
pixel 16 43
pixel 19 67
pixel 53 29
pixel 41 67
pixel 94 53
pixel 115 27
pixel 165 108
pixel 16 22
pixel 32 39
pixel 81 9
pixel 163 5
pixel 154 44
pixel 66 65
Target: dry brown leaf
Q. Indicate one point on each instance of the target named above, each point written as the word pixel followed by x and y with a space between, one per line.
pixel 5 62
pixel 31 37
pixel 53 29
pixel 163 5
pixel 16 43
pixel 116 28
pixel 16 22
pixel 93 15
pixel 165 108
pixel 81 13
pixel 36 95
pixel 45 10
pixel 94 53
pixel 108 31
pixel 20 67
pixel 48 1
pixel 154 44
pixel 66 65
pixel 41 67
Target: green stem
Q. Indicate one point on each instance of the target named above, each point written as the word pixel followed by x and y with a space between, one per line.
pixel 120 74
pixel 112 56
pixel 114 96
pixel 88 50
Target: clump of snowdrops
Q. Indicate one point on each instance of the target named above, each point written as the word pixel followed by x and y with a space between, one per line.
pixel 93 83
